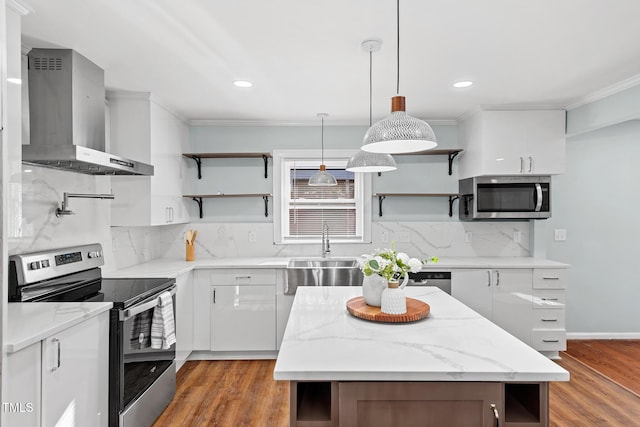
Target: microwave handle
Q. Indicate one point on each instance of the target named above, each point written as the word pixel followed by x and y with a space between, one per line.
pixel 538 197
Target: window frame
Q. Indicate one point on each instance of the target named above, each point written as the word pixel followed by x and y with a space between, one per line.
pixel 281 192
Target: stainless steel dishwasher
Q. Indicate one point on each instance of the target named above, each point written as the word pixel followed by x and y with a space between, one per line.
pixel 440 279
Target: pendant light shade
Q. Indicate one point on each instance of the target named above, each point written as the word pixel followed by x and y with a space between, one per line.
pixel 322 178
pixel 399 133
pixel 364 161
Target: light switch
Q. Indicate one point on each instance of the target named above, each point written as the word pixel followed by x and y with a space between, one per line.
pixel 517 236
pixel 252 236
pixel 468 237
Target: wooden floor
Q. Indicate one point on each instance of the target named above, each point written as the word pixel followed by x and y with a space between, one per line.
pixel 604 390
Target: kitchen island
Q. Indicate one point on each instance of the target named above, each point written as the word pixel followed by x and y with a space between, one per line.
pixel 454 368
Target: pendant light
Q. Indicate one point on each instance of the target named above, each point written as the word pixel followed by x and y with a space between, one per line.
pixel 363 161
pixel 399 133
pixel 322 178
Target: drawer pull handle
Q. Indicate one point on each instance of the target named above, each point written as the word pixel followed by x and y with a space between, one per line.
pixel 243 277
pixel 550 278
pixel 549 299
pixel 549 320
pixel 550 341
pixel 496 415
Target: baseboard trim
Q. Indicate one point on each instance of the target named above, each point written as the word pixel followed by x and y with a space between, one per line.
pixel 603 335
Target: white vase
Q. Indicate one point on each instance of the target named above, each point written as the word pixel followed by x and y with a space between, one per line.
pixel 372 287
pixel 393 300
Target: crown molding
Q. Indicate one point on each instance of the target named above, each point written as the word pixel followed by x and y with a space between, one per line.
pixel 284 123
pixel 480 108
pixel 605 92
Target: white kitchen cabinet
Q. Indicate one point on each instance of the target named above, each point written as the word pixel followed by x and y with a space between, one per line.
pixel 283 306
pixel 235 310
pixel 528 303
pixel 501 295
pixel 184 317
pixel 513 142
pixel 142 129
pixel 64 378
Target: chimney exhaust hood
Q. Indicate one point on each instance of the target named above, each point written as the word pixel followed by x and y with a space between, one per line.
pixel 67 116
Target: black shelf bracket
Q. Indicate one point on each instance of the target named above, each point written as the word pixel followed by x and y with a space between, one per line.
pixel 380 199
pixel 198 200
pixel 198 161
pixel 266 205
pixel 451 200
pixel 451 157
pixel 266 163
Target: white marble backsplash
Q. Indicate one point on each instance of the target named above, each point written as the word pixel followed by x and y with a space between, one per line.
pixel 139 244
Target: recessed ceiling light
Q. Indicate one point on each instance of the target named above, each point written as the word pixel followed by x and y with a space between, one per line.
pixel 14 80
pixel 465 83
pixel 242 83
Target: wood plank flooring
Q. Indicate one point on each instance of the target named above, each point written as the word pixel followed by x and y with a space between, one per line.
pixel 603 390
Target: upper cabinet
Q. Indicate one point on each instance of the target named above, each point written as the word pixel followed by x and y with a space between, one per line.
pixel 140 128
pixel 513 142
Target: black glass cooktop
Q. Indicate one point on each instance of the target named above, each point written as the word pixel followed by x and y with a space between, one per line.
pixel 124 293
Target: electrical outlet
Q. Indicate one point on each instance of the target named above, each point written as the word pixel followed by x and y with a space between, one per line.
pixel 114 245
pixel 384 236
pixel 403 237
pixel 517 236
pixel 560 234
pixel 468 237
pixel 252 236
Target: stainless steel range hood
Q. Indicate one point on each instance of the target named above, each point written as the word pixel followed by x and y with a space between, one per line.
pixel 67 116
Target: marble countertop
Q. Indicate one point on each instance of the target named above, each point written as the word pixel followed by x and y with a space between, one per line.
pixel 171 267
pixel 31 322
pixel 324 342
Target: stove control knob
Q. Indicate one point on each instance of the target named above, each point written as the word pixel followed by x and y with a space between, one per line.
pixel 95 254
pixel 45 263
pixel 35 265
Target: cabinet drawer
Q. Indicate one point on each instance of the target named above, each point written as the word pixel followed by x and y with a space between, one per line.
pixel 549 339
pixel 550 278
pixel 548 299
pixel 243 276
pixel 549 319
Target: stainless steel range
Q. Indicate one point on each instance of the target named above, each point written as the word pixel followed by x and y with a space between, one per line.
pixel 142 379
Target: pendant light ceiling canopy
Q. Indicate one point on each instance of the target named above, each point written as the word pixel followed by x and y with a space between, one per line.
pixel 364 161
pixel 399 133
pixel 322 178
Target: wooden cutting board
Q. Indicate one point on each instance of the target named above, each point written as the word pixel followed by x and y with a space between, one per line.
pixel 416 310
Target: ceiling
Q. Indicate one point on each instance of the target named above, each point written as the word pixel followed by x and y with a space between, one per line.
pixel 305 56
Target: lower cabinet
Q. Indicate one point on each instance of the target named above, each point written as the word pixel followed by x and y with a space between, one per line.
pixel 62 380
pixel 235 310
pixel 428 404
pixel 528 303
pixel 184 317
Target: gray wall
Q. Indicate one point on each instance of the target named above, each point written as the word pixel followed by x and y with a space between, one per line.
pixel 597 202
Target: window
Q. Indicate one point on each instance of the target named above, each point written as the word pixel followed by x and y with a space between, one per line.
pixel 301 210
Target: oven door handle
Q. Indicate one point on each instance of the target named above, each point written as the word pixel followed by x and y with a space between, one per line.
pixel 144 306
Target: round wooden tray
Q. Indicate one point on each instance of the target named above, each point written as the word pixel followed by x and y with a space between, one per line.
pixel 416 310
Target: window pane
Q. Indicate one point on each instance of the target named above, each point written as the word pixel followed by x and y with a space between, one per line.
pixel 301 190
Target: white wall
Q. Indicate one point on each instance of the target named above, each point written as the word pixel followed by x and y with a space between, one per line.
pixel 597 201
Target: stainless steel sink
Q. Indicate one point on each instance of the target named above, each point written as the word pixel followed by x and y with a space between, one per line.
pixel 322 272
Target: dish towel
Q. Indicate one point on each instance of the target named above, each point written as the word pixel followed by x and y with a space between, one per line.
pixel 163 329
pixel 141 331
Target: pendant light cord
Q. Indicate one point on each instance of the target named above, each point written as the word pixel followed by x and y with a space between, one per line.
pixel 397 47
pixel 370 85
pixel 322 141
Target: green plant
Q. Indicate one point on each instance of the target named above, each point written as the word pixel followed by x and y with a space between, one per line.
pixel 390 264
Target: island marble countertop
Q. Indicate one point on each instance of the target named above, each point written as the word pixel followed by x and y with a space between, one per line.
pixel 30 322
pixel 324 342
pixel 172 267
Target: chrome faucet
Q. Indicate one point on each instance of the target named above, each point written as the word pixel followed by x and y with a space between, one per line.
pixel 326 249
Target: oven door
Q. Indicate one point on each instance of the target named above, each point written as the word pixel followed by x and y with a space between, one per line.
pixel 144 374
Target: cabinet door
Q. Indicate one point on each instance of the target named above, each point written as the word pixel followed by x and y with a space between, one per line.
pixel 21 376
pixel 474 289
pixel 512 302
pixel 545 142
pixel 504 142
pixel 243 318
pixel 184 317
pixel 202 310
pixel 453 404
pixel 75 375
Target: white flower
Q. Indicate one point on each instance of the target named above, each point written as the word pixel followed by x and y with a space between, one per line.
pixel 415 265
pixel 403 257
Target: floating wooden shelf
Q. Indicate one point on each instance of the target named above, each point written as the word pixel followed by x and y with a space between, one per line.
pixel 452 197
pixel 198 199
pixel 197 157
pixel 451 154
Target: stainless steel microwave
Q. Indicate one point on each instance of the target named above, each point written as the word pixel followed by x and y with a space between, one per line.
pixel 505 197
